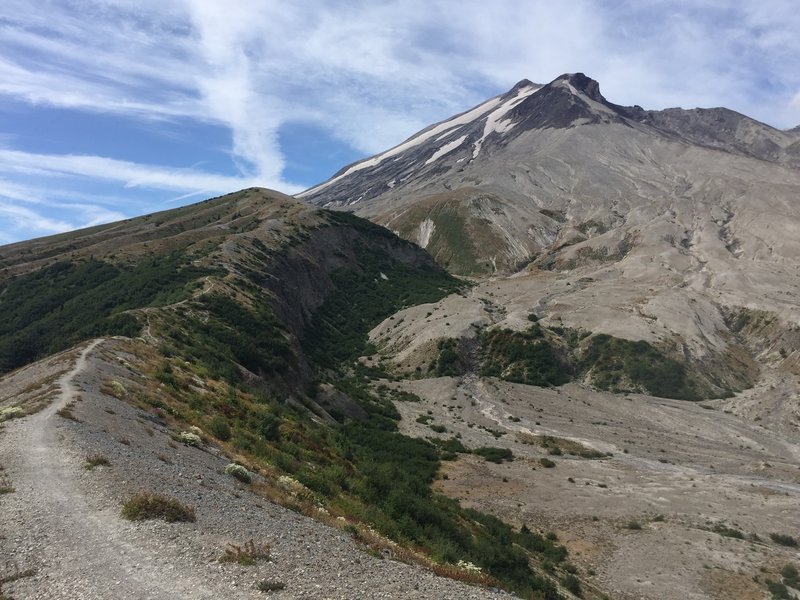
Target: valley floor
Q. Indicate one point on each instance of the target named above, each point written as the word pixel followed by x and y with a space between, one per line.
pixel 681 505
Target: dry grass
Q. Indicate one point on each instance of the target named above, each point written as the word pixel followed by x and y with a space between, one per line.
pixel 66 412
pixel 270 585
pixel 247 554
pixel 150 505
pixel 96 460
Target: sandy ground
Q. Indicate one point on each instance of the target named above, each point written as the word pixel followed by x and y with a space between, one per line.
pixel 638 522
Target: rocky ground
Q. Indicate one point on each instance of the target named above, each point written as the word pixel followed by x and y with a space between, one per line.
pixel 639 521
pixel 62 536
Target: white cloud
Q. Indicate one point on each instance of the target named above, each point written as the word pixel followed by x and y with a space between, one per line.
pixel 128 174
pixel 369 73
pixel 28 219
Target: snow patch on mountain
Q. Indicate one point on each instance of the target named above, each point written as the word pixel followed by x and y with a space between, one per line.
pixel 412 142
pixel 447 148
pixel 426 229
pixel 495 122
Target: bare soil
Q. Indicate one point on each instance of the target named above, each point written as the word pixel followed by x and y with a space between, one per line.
pixel 640 521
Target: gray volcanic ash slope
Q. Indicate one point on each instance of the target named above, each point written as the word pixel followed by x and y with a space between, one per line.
pixel 647 225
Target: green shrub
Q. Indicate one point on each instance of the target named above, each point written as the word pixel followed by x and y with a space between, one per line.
pixel 11 412
pixel 790 576
pixel 783 539
pixel 220 428
pixel 522 357
pixel 572 584
pixel 189 438
pixel 547 463
pixel 495 455
pixel 450 361
pixel 611 359
pixel 239 472
pixel 726 531
pixel 95 460
pixel 778 591
pixel 150 505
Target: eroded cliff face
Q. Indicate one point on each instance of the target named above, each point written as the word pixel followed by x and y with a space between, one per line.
pixel 299 277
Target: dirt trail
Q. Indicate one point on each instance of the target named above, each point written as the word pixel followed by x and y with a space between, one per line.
pixel 83 547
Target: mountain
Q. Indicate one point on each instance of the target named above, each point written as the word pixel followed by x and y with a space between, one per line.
pixel 525 174
pixel 603 403
pixel 207 361
pixel 639 212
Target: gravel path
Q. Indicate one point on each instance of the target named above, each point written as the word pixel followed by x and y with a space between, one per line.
pixel 63 520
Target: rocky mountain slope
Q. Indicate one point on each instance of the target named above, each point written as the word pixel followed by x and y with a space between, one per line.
pixel 646 225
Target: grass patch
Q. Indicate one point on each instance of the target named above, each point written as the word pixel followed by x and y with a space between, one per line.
pixel 96 460
pixel 65 412
pixel 150 505
pixel 783 540
pixel 247 554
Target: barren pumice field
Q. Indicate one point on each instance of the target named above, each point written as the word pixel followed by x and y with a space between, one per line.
pixel 654 498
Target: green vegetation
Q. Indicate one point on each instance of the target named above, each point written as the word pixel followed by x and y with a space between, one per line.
pixel 380 287
pixel 149 505
pixel 96 460
pixel 726 531
pixel 11 412
pixel 53 308
pixel 783 539
pixel 450 361
pixel 239 472
pixel 495 455
pixel 790 576
pixel 611 360
pixel 231 335
pixel 396 475
pixel 572 584
pixel 547 463
pixel 778 591
pixel 220 428
pixel 522 357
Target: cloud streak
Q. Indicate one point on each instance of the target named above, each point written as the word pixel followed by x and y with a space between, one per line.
pixel 367 74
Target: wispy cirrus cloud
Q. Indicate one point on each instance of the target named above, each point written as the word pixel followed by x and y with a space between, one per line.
pixel 363 74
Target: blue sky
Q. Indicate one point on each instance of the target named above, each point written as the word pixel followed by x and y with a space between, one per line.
pixel 110 109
